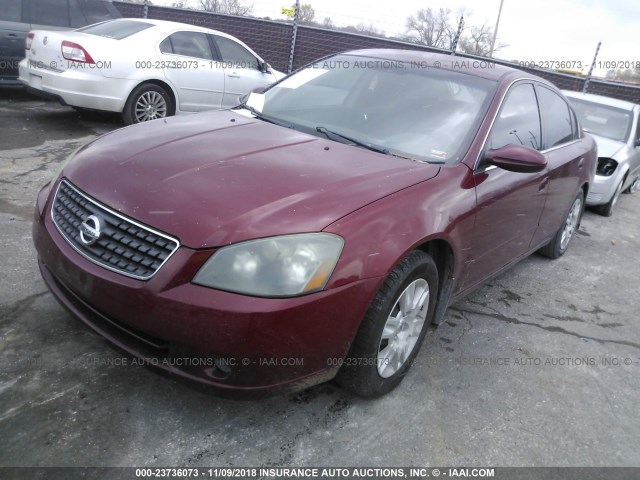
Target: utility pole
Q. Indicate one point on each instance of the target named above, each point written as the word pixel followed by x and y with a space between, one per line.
pixel 495 30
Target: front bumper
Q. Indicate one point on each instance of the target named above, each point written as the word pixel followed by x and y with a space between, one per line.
pixel 232 342
pixel 83 87
pixel 603 188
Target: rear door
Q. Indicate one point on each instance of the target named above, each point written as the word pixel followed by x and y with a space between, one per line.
pixel 190 65
pixel 565 160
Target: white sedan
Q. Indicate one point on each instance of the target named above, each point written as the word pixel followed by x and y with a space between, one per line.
pixel 144 69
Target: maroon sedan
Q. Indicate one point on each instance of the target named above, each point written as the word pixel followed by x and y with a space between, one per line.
pixel 316 230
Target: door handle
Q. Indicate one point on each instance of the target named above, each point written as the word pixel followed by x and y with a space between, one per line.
pixel 233 75
pixel 543 184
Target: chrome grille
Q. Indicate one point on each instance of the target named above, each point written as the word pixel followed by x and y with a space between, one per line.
pixel 124 246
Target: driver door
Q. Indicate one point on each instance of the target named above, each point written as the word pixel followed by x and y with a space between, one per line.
pixel 509 204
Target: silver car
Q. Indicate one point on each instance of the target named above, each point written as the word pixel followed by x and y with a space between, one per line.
pixel 614 125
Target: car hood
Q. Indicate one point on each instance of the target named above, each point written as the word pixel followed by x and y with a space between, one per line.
pixel 607 147
pixel 219 177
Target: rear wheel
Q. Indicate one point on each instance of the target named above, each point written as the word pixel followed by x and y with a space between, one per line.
pixel 559 244
pixel 393 328
pixel 147 102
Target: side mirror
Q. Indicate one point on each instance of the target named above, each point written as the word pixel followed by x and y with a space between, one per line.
pixel 517 158
pixel 264 67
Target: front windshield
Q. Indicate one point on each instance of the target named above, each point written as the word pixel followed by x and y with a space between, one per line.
pixel 422 113
pixel 603 120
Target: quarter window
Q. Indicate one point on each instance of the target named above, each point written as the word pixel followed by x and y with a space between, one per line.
pixel 518 121
pixel 556 118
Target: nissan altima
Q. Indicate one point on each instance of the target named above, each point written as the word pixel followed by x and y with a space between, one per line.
pixel 143 69
pixel 318 229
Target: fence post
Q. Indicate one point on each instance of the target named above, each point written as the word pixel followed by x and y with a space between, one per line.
pixel 146 8
pixel 454 42
pixel 296 16
pixel 586 82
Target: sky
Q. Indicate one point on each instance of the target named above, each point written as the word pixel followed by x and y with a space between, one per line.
pixel 541 30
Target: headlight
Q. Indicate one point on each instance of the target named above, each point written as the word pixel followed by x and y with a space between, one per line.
pixel 606 166
pixel 273 267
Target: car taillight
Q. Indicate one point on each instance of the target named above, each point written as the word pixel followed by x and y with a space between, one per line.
pixel 28 41
pixel 75 53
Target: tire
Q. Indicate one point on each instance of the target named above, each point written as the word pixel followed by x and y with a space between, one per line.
pixel 560 242
pixel 364 373
pixel 606 210
pixel 147 102
pixel 634 186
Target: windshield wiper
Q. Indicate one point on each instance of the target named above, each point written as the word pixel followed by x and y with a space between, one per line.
pixel 359 143
pixel 261 116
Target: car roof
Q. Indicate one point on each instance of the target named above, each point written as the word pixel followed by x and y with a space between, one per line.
pixel 167 26
pixel 611 102
pixel 477 66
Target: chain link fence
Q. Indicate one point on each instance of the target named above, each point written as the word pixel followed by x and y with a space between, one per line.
pixel 286 46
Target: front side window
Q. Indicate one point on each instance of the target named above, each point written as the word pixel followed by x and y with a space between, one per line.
pixel 518 122
pixel 235 54
pixel 557 118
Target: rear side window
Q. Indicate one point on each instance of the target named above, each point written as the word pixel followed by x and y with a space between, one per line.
pixel 518 122
pixel 235 54
pixel 117 29
pixel 50 12
pixel 11 11
pixel 189 44
pixel 559 125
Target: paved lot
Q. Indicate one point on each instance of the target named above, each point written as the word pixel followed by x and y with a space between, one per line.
pixel 547 326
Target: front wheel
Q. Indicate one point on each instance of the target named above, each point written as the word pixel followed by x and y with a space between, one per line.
pixel 393 328
pixel 560 242
pixel 634 186
pixel 606 210
pixel 147 102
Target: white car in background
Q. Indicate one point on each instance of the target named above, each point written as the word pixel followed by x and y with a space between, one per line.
pixel 144 69
pixel 615 125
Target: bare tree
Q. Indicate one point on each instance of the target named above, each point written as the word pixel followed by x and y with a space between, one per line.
pixel 230 7
pixel 328 23
pixel 431 28
pixel 180 4
pixel 370 30
pixel 478 41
